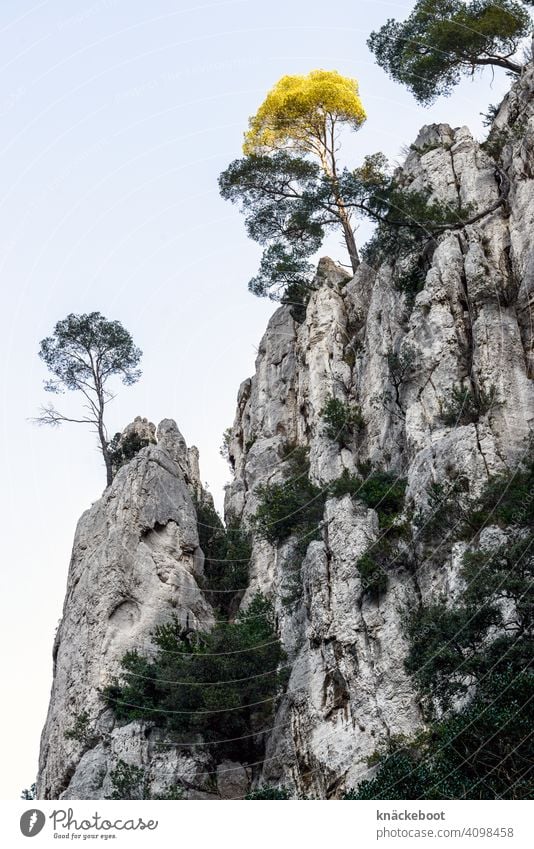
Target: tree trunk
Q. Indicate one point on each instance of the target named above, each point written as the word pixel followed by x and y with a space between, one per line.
pixel 348 235
pixel 105 453
pixel 328 161
pixel 107 461
pixel 102 436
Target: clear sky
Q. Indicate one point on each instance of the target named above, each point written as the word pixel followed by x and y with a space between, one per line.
pixel 117 117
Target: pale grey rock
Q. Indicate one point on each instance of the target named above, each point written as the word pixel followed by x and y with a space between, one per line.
pixel 135 562
pixel 136 555
pixel 470 326
pixel 141 428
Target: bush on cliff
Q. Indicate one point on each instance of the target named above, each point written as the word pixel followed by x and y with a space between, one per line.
pixel 472 663
pixel 218 688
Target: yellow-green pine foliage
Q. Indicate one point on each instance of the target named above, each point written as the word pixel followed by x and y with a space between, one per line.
pixel 301 111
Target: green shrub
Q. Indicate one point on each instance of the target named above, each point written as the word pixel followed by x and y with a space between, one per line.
pixel 342 421
pixel 507 499
pixel 401 365
pixel 224 450
pixel 278 793
pixel 221 685
pixel 482 752
pixel 383 491
pixel 122 450
pixel 131 782
pixel 410 282
pixel 444 648
pixel 470 651
pixel 374 579
pixel 383 555
pixel 293 507
pixel 444 513
pixel 467 406
pixel 297 296
pixel 80 731
pixel 479 650
pixel 227 551
pixel 128 782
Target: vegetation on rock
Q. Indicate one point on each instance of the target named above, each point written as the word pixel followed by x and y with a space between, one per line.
pixel 471 661
pixel 443 40
pixel 342 421
pixel 218 687
pixel 83 354
pixel 122 449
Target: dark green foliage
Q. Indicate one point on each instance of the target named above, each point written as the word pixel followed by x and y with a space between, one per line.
pixel 293 507
pixel 400 364
pixel 483 752
pixel 122 450
pixel 442 40
pixel 508 574
pixel 131 782
pixel 286 275
pixel 288 207
pixel 408 221
pixel 277 195
pixel 499 137
pixel 398 778
pixel 224 450
pixel 83 354
pixel 227 556
pixel 80 730
pixel 383 491
pixel 411 282
pixel 374 578
pixel 507 499
pixel 29 794
pixel 448 504
pixel 128 782
pixel 221 685
pixel 489 116
pixel 472 663
pixel 341 420
pixel 297 295
pixel 67 353
pixel 467 406
pixel 271 793
pixel 388 552
pixel 444 647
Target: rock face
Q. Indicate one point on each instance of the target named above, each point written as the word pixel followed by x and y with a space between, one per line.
pixel 471 325
pixel 135 561
pixel 136 557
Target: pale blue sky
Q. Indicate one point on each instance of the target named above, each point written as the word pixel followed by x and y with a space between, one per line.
pixel 117 117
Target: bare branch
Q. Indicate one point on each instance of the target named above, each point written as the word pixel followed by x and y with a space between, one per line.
pixel 50 416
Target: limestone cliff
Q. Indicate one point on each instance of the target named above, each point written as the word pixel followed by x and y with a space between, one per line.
pixel 136 555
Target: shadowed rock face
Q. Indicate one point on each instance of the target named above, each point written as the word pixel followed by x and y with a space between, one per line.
pixel 136 558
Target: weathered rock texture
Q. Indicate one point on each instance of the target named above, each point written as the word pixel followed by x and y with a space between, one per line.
pixel 471 324
pixel 135 555
pixel 135 561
